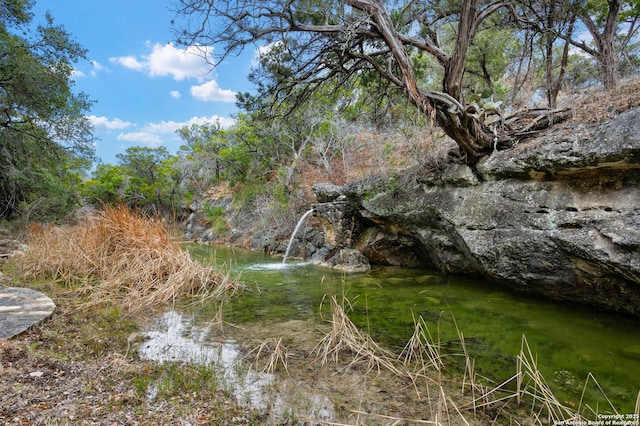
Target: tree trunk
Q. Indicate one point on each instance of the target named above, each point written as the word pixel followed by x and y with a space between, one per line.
pixel 605 53
pixel 554 84
pixel 472 136
pixel 454 71
pixel 609 66
pixel 609 59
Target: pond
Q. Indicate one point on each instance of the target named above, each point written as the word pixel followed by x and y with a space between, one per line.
pixel 570 342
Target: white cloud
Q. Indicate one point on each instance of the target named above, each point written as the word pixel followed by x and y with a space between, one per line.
pixel 156 134
pixel 225 122
pixel 211 92
pixel 103 123
pixel 167 60
pixel 194 62
pixel 261 51
pixel 175 94
pixel 141 137
pixel 129 62
pixel 166 127
pixel 179 63
pixel 96 67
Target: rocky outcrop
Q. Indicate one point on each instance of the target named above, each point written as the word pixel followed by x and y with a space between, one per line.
pixel 346 260
pixel 557 216
pixel 339 223
pixel 9 248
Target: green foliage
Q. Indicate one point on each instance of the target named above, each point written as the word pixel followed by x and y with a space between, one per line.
pixel 489 57
pixel 215 216
pixel 583 72
pixel 106 185
pixel 246 193
pixel 219 226
pixel 146 178
pixel 45 139
pixel 171 379
pixel 211 155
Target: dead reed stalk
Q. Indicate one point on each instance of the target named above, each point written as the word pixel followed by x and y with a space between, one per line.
pixel 120 257
pixel 345 336
pixel 532 383
pixel 582 406
pixel 276 354
pixel 422 350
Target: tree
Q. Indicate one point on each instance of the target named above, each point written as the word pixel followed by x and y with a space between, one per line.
pixel 151 178
pixel 489 57
pixel 601 19
pixel 204 144
pixel 337 42
pixel 106 185
pixel 553 23
pixel 45 139
pixel 612 25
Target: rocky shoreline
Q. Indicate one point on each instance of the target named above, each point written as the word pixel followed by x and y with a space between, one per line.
pixel 558 215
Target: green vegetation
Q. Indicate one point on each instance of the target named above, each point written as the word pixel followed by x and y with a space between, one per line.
pixel 330 117
pixel 45 139
pixel 214 214
pixel 370 57
pixel 87 355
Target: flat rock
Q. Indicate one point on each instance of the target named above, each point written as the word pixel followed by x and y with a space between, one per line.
pixel 20 309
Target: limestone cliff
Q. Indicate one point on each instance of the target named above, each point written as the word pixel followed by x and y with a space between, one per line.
pixel 558 216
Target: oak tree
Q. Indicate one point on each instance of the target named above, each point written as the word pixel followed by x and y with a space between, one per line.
pixel 338 42
pixel 45 138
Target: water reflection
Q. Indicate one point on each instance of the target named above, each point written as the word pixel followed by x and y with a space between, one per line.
pixel 569 339
pixel 175 338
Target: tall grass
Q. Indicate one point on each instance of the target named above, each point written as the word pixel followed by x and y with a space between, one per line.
pixel 345 336
pixel 525 396
pixel 121 257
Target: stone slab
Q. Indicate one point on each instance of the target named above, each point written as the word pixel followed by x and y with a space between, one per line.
pixel 20 309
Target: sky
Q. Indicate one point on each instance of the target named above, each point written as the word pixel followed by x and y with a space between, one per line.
pixel 144 86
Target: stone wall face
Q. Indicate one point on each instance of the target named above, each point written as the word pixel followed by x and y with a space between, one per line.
pixel 558 216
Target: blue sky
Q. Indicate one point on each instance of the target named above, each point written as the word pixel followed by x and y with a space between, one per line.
pixel 145 87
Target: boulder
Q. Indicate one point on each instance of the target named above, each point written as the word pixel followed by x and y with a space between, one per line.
pixel 346 260
pixel 557 216
pixel 9 248
pixel 326 192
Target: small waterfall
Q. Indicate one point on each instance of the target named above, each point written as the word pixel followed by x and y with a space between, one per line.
pixel 295 231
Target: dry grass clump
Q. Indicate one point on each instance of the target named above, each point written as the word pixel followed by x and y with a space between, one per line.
pixel 120 257
pixel 595 105
pixel 275 352
pixel 525 396
pixel 345 336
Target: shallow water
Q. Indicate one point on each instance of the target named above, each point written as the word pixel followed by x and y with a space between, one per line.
pixel 569 340
pixel 176 337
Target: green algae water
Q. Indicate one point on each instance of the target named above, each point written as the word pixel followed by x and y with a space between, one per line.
pixel 570 342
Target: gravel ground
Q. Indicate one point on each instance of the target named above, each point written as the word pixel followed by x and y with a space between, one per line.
pixel 78 368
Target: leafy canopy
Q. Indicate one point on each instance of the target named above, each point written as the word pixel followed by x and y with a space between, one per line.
pixel 45 138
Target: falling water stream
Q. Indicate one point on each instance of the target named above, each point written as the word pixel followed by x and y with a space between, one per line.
pixel 570 341
pixel 295 232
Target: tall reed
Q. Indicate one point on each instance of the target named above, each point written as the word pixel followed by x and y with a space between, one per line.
pixel 345 337
pixel 526 395
pixel 121 257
